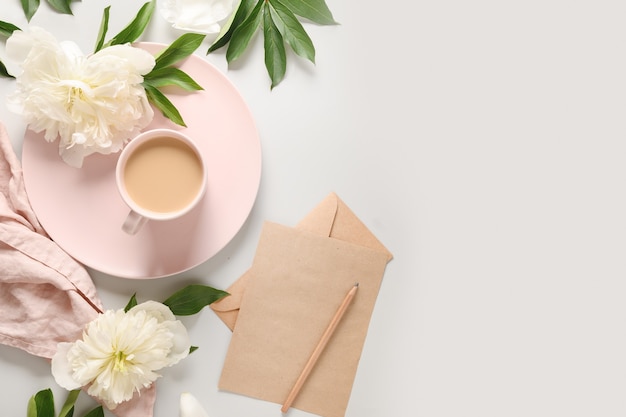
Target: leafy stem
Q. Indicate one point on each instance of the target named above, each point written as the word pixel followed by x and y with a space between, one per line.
pixel 187 301
pixel 164 72
pixel 30 7
pixel 279 20
pixel 42 405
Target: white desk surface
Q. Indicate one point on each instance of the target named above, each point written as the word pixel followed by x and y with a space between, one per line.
pixel 484 144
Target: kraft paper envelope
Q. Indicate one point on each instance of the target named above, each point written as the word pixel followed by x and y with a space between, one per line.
pixel 287 298
pixel 331 218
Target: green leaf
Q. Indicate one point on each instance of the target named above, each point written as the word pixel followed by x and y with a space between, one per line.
pixel 292 31
pixel 31 409
pixel 181 48
pixel 61 6
pixel 275 56
pixel 162 103
pixel 171 76
pixel 29 7
pixel 235 19
pixel 4 72
pixel 96 412
pixel 7 29
pixel 315 10
pixel 131 303
pixel 243 33
pixel 104 28
pixel 135 28
pixel 192 349
pixel 68 408
pixel 226 30
pixel 192 299
pixel 41 404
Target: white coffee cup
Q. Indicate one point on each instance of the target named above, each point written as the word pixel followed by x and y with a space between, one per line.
pixel 161 175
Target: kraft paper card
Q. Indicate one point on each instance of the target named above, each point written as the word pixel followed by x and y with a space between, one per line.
pixel 297 281
pixel 333 219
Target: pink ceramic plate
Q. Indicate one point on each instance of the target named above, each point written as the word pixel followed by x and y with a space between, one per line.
pixel 82 211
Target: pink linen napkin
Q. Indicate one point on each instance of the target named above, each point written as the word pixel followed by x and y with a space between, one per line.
pixel 46 297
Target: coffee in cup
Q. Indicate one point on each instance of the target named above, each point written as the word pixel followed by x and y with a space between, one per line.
pixel 160 175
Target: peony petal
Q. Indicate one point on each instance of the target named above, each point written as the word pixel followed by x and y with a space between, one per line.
pixel 141 61
pixel 20 43
pixel 71 49
pixel 157 310
pixel 75 155
pixel 18 46
pixel 180 341
pixel 190 406
pixel 61 369
pixel 203 16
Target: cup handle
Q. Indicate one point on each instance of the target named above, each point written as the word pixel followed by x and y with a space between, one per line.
pixel 134 221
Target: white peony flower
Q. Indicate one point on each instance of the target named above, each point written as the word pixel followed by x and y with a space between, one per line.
pixel 202 16
pixel 120 353
pixel 94 103
pixel 190 406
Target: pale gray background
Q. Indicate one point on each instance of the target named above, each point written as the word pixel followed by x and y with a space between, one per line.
pixel 483 143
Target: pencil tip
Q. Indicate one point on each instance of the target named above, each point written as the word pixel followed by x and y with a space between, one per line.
pixel 356 284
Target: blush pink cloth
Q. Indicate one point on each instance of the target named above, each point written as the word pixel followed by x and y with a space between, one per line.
pixel 46 297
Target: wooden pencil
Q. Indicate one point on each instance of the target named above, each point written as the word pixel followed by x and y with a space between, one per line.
pixel 319 348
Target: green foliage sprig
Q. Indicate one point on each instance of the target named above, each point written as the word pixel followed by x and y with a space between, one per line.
pixel 188 300
pixel 7 29
pixel 165 71
pixel 278 20
pixel 42 405
pixel 31 6
pixel 280 26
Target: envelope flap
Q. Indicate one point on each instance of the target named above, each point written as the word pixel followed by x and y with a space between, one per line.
pixel 236 291
pixel 330 218
pixel 320 220
pixel 348 227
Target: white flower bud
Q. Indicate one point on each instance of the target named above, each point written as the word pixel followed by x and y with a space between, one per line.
pixel 190 406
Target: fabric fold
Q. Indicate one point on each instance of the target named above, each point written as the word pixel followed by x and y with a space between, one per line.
pixel 46 296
